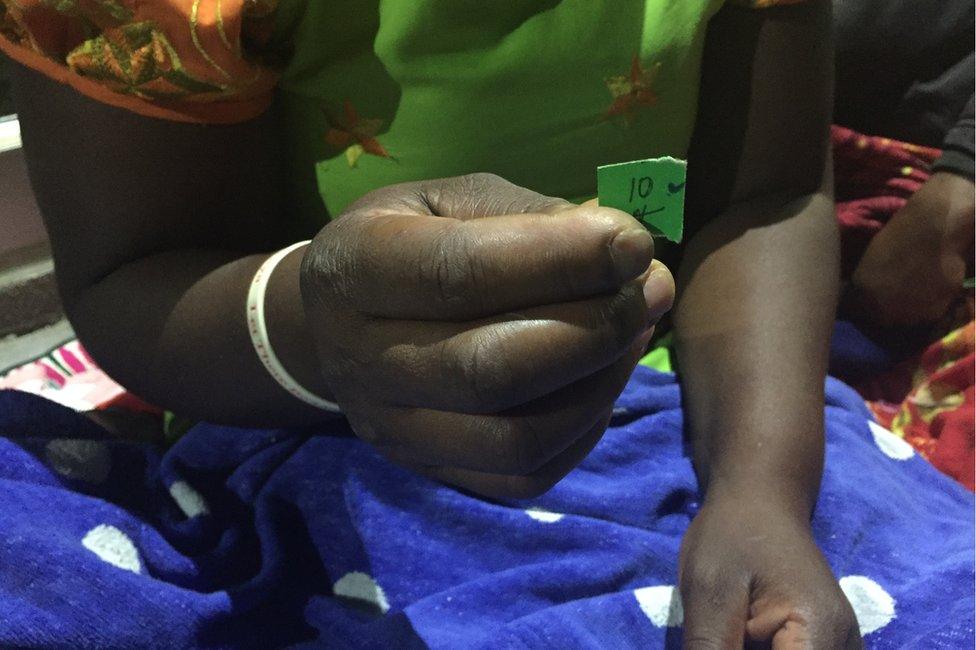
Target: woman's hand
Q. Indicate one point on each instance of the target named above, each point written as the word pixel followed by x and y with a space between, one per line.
pixel 751 572
pixel 914 268
pixel 479 332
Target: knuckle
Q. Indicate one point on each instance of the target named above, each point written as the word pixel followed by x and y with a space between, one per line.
pixel 450 270
pixel 484 194
pixel 707 585
pixel 319 273
pixel 329 265
pixel 479 182
pixel 470 195
pixel 526 452
pixel 482 373
pixel 403 198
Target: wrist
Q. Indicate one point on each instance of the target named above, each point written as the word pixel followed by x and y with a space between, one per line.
pixel 790 495
pixel 767 471
pixel 957 234
pixel 288 329
pixel 944 209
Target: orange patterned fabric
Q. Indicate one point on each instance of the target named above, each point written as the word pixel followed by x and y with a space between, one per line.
pixel 928 399
pixel 937 415
pixel 187 60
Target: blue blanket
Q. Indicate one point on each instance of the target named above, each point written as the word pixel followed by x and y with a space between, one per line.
pixel 262 538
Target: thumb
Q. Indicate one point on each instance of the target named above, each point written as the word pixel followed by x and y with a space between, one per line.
pixel 784 628
pixel 778 624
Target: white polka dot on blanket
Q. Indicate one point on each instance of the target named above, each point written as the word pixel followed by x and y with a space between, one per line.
pixel 544 516
pixel 873 606
pixel 661 604
pixel 188 499
pixel 113 546
pixel 891 445
pixel 360 587
pixel 84 460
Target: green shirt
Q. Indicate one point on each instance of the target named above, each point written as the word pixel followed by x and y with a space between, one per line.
pixel 538 92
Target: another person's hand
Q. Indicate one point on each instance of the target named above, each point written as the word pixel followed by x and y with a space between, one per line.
pixel 479 332
pixel 751 572
pixel 914 267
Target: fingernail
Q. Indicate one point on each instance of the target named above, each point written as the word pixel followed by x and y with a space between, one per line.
pixel 658 291
pixel 632 250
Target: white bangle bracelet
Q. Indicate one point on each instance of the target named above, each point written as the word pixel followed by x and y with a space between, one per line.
pixel 259 334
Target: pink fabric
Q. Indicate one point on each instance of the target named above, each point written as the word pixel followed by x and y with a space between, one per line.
pixel 873 178
pixel 928 399
pixel 70 377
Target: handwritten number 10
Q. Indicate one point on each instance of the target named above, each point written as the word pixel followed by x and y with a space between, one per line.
pixel 643 187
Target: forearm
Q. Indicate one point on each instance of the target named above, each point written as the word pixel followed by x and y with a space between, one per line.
pixel 156 243
pixel 757 294
pixel 171 327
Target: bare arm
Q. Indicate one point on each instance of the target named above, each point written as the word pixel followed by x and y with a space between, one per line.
pixel 757 294
pixel 466 329
pixel 157 229
pixel 758 284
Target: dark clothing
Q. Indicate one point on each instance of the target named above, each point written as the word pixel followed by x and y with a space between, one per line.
pixel 905 70
pixel 957 148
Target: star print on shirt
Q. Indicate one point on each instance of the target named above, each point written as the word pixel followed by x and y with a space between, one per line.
pixel 632 93
pixel 356 134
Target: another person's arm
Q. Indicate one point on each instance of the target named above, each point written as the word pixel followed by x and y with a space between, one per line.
pixel 757 292
pixel 910 77
pixel 913 270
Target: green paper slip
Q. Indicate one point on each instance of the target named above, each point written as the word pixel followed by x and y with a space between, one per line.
pixel 652 190
pixel 969 283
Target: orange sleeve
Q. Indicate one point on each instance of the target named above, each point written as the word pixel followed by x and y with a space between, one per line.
pixel 183 60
